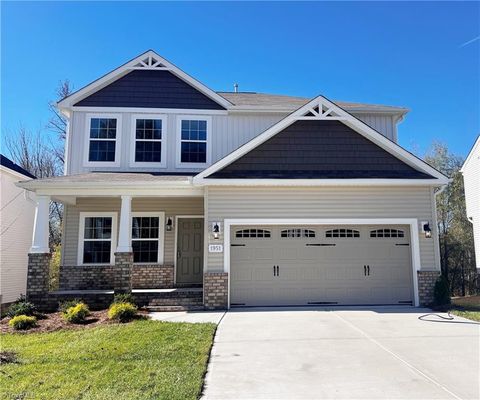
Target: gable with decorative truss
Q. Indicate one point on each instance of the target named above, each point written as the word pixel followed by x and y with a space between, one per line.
pixel 321 141
pixel 147 81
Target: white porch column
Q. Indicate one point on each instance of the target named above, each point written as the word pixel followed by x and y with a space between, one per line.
pixel 125 228
pixel 40 227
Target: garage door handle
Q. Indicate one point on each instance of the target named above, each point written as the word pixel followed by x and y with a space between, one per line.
pixel 368 270
pixel 274 271
pixel 278 270
pixel 365 270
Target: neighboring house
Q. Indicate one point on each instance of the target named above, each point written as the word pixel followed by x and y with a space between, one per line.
pixel 471 178
pixel 17 211
pixel 244 198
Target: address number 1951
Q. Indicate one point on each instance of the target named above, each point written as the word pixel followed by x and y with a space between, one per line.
pixel 215 248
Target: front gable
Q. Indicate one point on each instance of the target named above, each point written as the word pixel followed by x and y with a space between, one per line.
pixel 318 149
pixel 150 88
pixel 147 81
pixel 320 144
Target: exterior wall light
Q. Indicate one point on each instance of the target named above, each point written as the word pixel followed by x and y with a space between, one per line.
pixel 426 229
pixel 169 224
pixel 216 230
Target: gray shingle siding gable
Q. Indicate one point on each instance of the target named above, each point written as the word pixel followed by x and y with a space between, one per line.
pixel 318 150
pixel 150 89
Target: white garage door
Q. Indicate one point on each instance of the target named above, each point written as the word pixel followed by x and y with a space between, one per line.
pixel 320 265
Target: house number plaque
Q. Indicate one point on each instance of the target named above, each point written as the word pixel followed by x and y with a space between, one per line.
pixel 215 248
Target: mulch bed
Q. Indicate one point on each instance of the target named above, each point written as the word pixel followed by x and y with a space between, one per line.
pixel 54 321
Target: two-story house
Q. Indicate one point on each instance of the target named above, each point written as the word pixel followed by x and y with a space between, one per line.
pixel 187 196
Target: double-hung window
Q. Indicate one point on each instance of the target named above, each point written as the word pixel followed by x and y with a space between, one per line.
pixel 97 238
pixel 193 147
pixel 149 133
pixel 147 237
pixel 103 140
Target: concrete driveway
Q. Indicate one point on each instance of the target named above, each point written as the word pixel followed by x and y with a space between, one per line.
pixel 376 353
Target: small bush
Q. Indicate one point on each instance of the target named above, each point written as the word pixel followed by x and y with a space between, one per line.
pixel 21 307
pixel 77 313
pixel 65 305
pixel 123 312
pixel 124 298
pixel 441 292
pixel 22 322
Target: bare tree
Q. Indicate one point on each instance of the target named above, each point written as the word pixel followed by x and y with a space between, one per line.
pixel 32 153
pixel 58 122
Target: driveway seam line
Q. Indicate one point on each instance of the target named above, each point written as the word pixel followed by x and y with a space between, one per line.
pixel 412 367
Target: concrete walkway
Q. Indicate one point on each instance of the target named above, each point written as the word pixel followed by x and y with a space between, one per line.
pixel 376 353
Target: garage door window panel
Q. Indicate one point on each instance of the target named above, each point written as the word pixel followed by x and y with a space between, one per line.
pixel 297 233
pixel 387 233
pixel 342 233
pixel 253 233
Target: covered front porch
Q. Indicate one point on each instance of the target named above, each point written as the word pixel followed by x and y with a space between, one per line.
pixel 122 233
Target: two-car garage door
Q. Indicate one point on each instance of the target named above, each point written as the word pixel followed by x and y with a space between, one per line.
pixel 315 265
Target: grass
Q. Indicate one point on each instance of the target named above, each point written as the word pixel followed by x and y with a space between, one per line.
pixel 466 307
pixel 139 360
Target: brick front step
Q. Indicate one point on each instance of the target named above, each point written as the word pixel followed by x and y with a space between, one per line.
pixel 177 297
pixel 174 308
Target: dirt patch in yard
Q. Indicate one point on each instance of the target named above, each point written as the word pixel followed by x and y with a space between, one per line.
pixel 54 321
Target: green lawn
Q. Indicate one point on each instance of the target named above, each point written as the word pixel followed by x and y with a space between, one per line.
pixel 139 360
pixel 466 307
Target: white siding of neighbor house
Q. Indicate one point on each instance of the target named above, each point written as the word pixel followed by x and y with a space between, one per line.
pixel 16 226
pixel 318 202
pixel 471 177
pixel 228 133
pixel 171 206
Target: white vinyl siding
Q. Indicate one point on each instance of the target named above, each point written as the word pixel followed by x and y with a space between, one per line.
pixel 16 225
pixel 332 202
pixel 170 206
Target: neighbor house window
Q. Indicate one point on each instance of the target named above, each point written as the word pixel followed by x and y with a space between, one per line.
pixel 97 238
pixel 103 139
pixel 193 141
pixel 149 143
pixel 147 236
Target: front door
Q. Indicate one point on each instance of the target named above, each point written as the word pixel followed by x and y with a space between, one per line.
pixel 190 250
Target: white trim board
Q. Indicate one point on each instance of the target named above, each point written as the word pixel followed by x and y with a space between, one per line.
pixel 143 61
pixel 320 108
pixel 412 222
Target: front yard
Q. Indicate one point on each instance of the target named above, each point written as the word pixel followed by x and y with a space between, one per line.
pixel 466 307
pixel 140 360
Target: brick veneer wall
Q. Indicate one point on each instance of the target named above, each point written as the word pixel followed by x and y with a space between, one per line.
pixel 426 284
pixel 38 275
pixel 215 290
pixel 153 276
pixel 86 277
pixel 122 275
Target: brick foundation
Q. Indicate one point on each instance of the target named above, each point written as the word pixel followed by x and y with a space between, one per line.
pixel 122 276
pixel 215 290
pixel 154 276
pixel 86 277
pixel 426 284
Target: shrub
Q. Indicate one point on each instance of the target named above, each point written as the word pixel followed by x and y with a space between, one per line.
pixel 22 322
pixel 441 292
pixel 123 312
pixel 124 298
pixel 65 305
pixel 77 313
pixel 21 307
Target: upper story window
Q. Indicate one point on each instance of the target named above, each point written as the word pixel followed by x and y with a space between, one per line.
pixel 103 140
pixel 193 147
pixel 149 140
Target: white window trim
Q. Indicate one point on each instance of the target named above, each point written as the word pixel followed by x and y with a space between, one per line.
pixel 161 234
pixel 81 238
pixel 178 162
pixel 163 162
pixel 118 142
